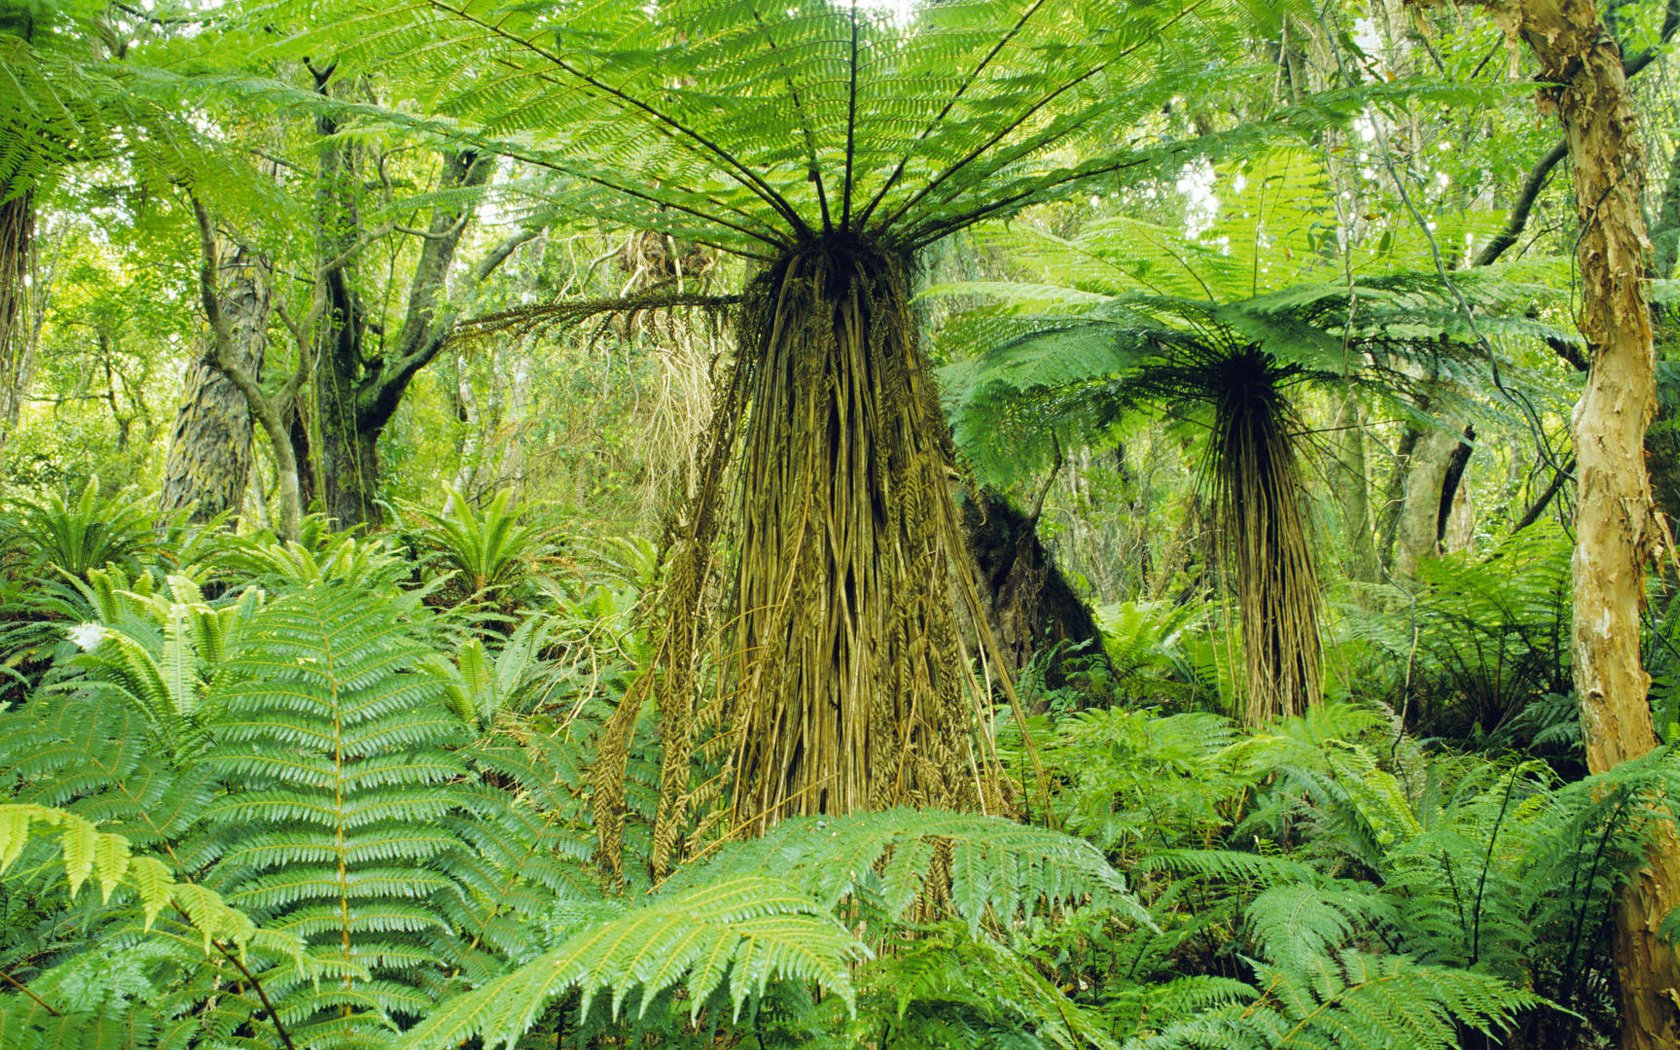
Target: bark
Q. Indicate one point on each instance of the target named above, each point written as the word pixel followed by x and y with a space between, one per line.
pixel 17 227
pixel 1614 520
pixel 1417 532
pixel 1662 440
pixel 358 390
pixel 1353 491
pixel 209 464
pixel 1453 496
pixel 224 356
pixel 1032 606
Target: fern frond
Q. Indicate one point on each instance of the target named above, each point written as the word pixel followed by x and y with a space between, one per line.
pixel 745 931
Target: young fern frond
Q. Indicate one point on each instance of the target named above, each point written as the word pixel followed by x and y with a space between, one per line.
pixel 87 854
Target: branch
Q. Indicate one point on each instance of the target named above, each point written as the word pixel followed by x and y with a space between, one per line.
pixel 1542 170
pixel 20 986
pixel 1531 187
pixel 1532 514
pixel 500 253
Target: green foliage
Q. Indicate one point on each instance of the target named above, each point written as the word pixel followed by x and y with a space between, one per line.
pixel 158 653
pixel 731 936
pixel 894 865
pixel 515 679
pixel 319 555
pixel 87 853
pixel 334 756
pixel 80 533
pixel 1351 999
pixel 789 125
pixel 490 550
pixel 1485 639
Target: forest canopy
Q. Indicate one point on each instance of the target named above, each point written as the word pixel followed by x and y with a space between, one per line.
pixel 871 524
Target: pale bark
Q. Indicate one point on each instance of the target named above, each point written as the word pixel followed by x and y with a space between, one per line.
pixel 1417 534
pixel 1353 490
pixel 1615 525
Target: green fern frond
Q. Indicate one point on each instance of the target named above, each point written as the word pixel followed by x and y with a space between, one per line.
pixel 989 869
pixel 745 931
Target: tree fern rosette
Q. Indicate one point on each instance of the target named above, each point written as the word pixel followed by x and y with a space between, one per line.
pixel 825 143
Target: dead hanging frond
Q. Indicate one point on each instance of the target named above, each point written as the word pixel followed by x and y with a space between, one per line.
pixel 845 679
pixel 534 319
pixel 1254 472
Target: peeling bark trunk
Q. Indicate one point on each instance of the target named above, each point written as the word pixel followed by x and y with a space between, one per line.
pixel 1614 522
pixel 209 462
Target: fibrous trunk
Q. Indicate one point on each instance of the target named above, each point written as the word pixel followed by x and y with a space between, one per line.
pixel 17 226
pixel 1258 497
pixel 209 461
pixel 844 678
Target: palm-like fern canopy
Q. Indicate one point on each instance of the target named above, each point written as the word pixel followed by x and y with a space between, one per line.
pixel 757 125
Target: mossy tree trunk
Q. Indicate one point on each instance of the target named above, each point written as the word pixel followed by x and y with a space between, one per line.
pixel 17 227
pixel 209 463
pixel 359 382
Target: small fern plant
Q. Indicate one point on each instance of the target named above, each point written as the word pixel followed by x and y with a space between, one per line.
pixel 489 550
pixel 158 653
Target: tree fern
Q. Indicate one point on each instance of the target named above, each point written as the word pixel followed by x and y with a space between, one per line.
pixel 1351 999
pixel 826 144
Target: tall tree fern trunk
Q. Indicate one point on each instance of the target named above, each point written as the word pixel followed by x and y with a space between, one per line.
pixel 1258 501
pixel 209 464
pixel 17 227
pixel 849 653
pixel 847 682
pixel 1615 526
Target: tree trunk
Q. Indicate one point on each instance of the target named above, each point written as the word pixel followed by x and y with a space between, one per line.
pixel 1417 532
pixel 209 462
pixel 1033 607
pixel 224 354
pixel 1353 491
pixel 1662 440
pixel 1614 522
pixel 847 683
pixel 357 393
pixel 17 226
